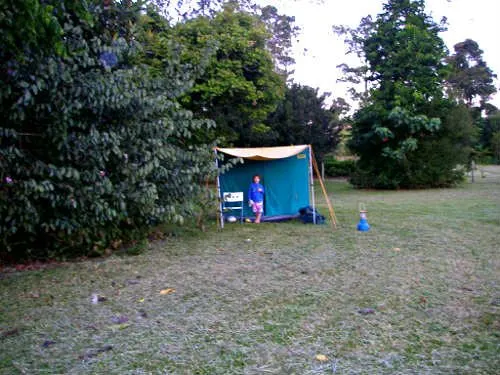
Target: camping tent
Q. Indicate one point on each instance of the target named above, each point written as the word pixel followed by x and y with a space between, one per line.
pixel 286 173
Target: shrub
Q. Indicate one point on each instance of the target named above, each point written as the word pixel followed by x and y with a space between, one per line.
pixel 339 168
pixel 482 155
pixel 92 146
pixel 427 161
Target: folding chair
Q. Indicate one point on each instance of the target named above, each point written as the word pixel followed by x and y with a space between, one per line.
pixel 233 201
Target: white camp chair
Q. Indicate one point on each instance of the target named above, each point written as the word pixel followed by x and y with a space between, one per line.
pixel 233 201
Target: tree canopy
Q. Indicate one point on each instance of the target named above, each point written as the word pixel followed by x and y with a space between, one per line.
pixel 405 107
pixel 470 77
pixel 239 86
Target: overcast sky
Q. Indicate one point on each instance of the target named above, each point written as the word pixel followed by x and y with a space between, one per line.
pixel 473 19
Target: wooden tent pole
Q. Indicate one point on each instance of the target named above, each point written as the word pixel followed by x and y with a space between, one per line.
pixel 333 218
pixel 219 214
pixel 311 173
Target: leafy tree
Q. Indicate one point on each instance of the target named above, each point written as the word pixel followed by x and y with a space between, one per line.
pixel 27 24
pixel 238 39
pixel 489 126
pixel 470 77
pixel 470 81
pixel 239 86
pixel 302 118
pixel 91 144
pixel 434 162
pixel 282 30
pixel 405 111
pixel 495 145
pixel 340 107
pixel 404 54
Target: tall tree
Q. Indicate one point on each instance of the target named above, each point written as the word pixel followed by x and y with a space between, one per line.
pixel 471 81
pixel 405 109
pixel 470 77
pixel 282 30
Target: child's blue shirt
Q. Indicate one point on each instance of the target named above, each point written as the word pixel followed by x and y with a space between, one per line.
pixel 254 194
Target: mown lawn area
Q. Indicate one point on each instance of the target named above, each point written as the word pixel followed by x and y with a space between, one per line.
pixel 418 294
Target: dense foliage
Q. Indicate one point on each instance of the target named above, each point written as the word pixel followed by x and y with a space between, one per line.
pixel 92 145
pixel 239 86
pixel 405 134
pixel 488 149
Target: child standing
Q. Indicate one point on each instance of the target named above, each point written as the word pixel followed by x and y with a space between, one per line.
pixel 256 197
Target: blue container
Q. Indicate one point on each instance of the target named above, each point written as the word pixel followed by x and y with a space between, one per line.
pixel 363 225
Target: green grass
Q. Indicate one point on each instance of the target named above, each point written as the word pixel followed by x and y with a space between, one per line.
pixel 429 268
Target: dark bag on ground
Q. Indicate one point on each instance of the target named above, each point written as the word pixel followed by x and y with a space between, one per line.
pixel 307 215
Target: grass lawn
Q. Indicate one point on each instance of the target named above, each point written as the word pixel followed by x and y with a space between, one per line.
pixel 418 294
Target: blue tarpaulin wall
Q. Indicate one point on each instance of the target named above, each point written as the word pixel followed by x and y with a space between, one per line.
pixel 286 183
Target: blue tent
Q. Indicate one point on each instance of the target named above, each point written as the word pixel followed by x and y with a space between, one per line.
pixel 286 173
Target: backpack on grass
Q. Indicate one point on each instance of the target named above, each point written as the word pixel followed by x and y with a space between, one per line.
pixel 307 215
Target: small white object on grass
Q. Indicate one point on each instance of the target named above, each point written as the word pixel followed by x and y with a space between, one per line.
pixel 248 240
pixel 232 219
pixel 96 298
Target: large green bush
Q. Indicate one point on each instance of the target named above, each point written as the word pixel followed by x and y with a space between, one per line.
pixel 92 147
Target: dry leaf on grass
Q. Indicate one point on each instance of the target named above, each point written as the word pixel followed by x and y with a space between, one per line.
pixel 321 357
pixel 164 292
pixel 119 327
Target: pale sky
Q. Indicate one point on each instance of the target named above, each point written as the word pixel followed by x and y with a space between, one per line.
pixel 473 19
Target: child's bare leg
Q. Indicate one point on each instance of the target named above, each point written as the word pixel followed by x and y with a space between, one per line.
pixel 257 217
